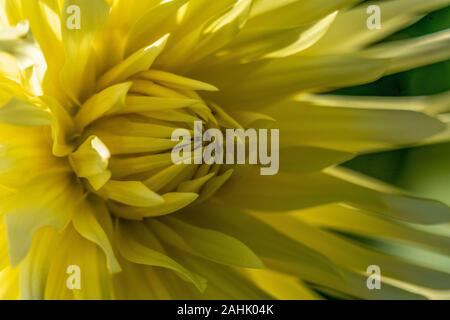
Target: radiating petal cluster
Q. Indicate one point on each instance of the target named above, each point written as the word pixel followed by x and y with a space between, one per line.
pixel 92 90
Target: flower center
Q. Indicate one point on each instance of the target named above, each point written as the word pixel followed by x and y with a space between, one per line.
pixel 125 155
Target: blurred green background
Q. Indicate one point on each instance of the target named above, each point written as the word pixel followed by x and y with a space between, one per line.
pixel 423 170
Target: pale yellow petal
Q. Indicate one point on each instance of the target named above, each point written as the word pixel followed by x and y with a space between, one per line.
pixel 351 25
pixel 130 237
pixel 85 222
pixel 208 243
pixel 132 193
pixel 43 202
pixel 139 61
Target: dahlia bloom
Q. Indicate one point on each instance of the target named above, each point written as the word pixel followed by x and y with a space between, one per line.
pixel 91 91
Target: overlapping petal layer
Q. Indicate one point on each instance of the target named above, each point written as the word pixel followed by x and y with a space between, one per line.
pixel 86 176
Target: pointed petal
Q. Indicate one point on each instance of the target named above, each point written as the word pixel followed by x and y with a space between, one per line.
pixel 132 193
pixel 48 200
pixel 139 61
pixel 85 222
pixel 207 243
pixel 352 24
pixel 130 237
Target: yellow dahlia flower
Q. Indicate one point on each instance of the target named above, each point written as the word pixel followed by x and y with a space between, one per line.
pixel 92 92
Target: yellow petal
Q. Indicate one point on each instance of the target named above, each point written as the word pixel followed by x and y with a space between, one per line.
pixel 350 220
pixel 95 280
pixel 163 178
pixel 47 200
pixel 122 125
pixel 349 128
pixel 191 19
pixel 4 257
pixel 9 284
pixel 139 104
pixel 148 283
pixel 223 282
pixel 19 144
pixel 172 202
pixel 34 270
pixel 118 144
pixel 18 112
pixel 154 23
pixel 130 237
pixel 306 39
pixel 262 82
pixel 139 61
pixel 282 286
pixel 45 22
pixel 100 104
pixel 286 13
pixel 13 11
pixel 272 247
pixel 123 167
pixel 78 74
pixel 175 81
pixel 303 159
pixel 222 29
pixel 288 191
pixel 85 222
pixel 351 25
pixel 195 185
pixel 63 128
pixel 132 193
pixel 90 161
pixel 213 185
pixel 413 53
pixel 211 244
pixel 357 257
